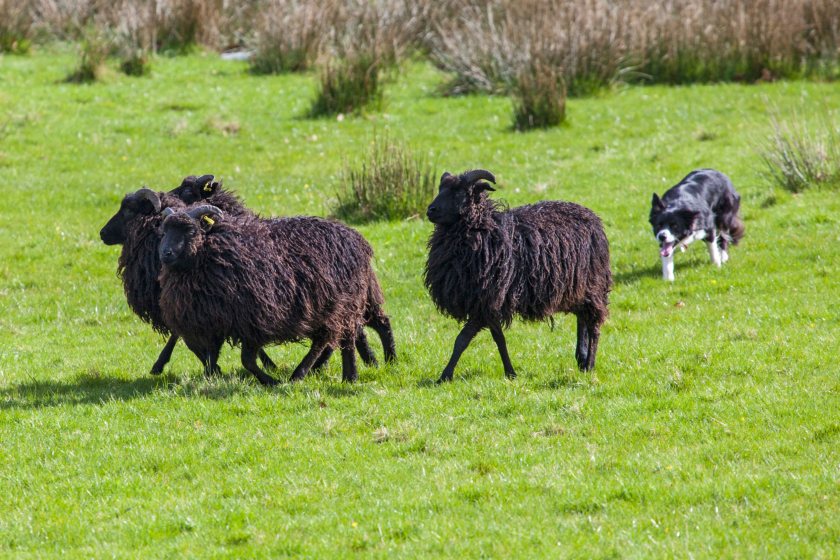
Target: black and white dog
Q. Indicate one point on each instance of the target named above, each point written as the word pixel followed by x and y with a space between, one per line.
pixel 704 205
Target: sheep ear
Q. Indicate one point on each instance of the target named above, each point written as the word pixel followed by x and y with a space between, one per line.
pixel 656 202
pixel 207 185
pixel 479 188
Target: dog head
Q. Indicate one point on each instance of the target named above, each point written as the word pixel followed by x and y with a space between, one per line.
pixel 671 225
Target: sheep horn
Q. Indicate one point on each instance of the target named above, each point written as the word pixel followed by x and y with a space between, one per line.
pixel 167 212
pixel 205 210
pixel 471 177
pixel 151 196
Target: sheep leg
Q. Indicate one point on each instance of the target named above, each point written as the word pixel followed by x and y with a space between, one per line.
pixel 266 361
pixel 202 356
pixel 165 355
pixel 382 326
pixel 461 342
pixel 313 356
pixel 594 330
pixel 348 361
pixel 323 358
pixel 363 347
pixel 211 366
pixel 249 362
pixel 589 331
pixel 583 342
pixel 499 339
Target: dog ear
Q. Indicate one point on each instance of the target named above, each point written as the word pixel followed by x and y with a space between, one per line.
pixel 656 203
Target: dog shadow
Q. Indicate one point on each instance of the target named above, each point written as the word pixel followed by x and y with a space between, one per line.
pixel 636 273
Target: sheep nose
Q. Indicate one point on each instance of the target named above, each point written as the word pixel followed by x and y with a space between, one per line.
pixel 431 210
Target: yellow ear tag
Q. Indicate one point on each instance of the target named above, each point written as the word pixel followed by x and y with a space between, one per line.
pixel 208 186
pixel 208 220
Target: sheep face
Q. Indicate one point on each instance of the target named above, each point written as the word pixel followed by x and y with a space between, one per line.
pixel 456 196
pixel 194 189
pixel 183 233
pixel 144 202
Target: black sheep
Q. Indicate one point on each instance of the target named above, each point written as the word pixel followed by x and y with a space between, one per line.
pixel 136 227
pixel 487 265
pixel 206 189
pixel 254 282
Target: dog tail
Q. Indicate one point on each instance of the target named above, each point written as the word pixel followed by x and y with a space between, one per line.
pixel 729 223
pixel 736 229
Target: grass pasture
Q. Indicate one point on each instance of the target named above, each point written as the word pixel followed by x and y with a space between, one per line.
pixel 710 427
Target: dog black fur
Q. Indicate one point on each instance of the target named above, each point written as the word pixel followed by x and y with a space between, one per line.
pixel 704 205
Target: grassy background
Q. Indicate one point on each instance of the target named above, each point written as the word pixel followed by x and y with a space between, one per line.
pixel 710 427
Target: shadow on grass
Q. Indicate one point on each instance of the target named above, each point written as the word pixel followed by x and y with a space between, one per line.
pixel 95 388
pixel 654 271
pixel 87 388
pixel 460 376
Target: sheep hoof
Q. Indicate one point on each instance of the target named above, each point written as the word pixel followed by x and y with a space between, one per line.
pixel 267 381
pixel 510 374
pixel 444 379
pixel 157 369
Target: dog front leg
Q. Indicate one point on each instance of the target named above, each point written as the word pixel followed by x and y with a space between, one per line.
pixel 668 267
pixel 714 251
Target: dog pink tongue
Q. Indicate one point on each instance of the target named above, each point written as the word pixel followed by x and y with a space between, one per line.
pixel 666 249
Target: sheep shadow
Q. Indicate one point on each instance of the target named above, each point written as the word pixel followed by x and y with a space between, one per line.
pixel 95 388
pixel 84 389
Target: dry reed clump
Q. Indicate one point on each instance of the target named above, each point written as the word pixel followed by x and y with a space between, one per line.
pixel 290 34
pixel 539 97
pixel 595 42
pixel 366 38
pixel 15 27
pixel 171 25
pixel 94 48
pixel 798 157
pixel 392 183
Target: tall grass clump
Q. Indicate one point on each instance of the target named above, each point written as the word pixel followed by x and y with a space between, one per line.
pixel 597 42
pixel 133 40
pixel 392 183
pixel 15 27
pixel 797 157
pixel 93 52
pixel 539 98
pixel 347 85
pixel 290 34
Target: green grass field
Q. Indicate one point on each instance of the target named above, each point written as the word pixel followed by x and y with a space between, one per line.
pixel 710 427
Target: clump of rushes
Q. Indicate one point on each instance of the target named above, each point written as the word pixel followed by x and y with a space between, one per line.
pixel 15 27
pixel 392 183
pixel 135 63
pixel 797 159
pixel 347 85
pixel 133 40
pixel 289 36
pixel 539 98
pixel 93 51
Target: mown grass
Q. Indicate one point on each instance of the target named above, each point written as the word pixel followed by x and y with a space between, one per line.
pixel 709 428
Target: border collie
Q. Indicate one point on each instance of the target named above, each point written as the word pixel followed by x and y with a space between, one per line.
pixel 704 205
